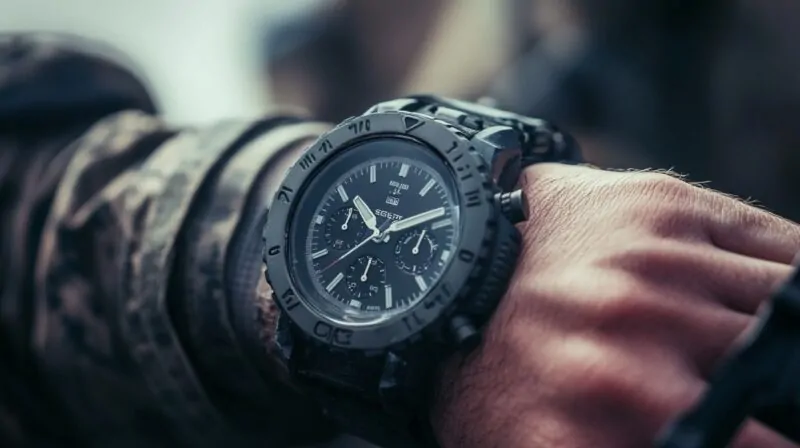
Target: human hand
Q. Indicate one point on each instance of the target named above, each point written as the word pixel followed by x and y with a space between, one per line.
pixel 630 289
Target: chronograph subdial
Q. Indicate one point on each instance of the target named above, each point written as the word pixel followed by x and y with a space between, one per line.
pixel 344 228
pixel 366 276
pixel 415 250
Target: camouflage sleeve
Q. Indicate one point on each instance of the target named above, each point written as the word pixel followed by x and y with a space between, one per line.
pixel 133 310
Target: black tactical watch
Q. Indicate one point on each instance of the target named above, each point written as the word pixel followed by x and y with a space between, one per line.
pixel 388 246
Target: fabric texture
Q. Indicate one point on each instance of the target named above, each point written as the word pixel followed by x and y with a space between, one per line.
pixel 116 230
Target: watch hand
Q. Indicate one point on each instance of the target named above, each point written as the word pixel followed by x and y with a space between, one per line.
pixel 349 215
pixel 415 250
pixel 366 270
pixel 366 213
pixel 415 220
pixel 374 233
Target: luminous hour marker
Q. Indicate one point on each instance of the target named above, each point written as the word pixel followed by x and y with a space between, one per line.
pixel 442 223
pixel 342 193
pixel 372 174
pixel 445 256
pixel 427 187
pixel 321 253
pixel 404 169
pixel 334 282
pixel 319 219
pixel 355 303
pixel 388 290
pixel 421 282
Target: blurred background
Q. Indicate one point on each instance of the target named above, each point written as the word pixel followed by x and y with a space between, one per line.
pixel 710 88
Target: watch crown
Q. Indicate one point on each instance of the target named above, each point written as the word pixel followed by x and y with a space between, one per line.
pixel 512 205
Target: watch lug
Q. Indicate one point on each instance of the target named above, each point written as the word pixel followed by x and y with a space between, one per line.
pixel 501 148
pixel 393 105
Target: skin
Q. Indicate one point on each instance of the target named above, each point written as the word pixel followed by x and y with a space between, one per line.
pixel 630 289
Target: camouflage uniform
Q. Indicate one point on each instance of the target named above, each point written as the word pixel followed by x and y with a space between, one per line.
pixel 127 247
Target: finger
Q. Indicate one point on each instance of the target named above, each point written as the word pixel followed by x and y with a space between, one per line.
pixel 747 230
pixel 739 282
pixel 703 333
pixel 756 435
pixel 656 311
pixel 712 338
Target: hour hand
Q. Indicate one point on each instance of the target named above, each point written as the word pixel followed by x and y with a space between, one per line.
pixel 366 214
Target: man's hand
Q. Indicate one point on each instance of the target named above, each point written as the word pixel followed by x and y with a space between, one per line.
pixel 630 289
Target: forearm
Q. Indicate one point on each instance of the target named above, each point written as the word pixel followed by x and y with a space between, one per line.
pixel 162 232
pixel 121 243
pixel 50 94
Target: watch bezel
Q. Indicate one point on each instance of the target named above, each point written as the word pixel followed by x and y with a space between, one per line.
pixel 475 199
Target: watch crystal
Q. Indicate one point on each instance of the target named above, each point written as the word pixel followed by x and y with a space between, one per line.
pixel 374 231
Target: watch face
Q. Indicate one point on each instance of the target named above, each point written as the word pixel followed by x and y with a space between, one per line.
pixel 374 231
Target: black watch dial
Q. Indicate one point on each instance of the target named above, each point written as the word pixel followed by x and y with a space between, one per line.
pixel 374 231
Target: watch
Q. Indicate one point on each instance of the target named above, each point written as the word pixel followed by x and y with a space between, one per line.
pixel 388 246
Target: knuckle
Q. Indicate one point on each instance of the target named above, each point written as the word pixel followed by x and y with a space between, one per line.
pixel 739 225
pixel 744 215
pixel 666 205
pixel 592 372
pixel 614 378
pixel 673 219
pixel 660 188
pixel 645 260
pixel 659 183
pixel 623 303
pixel 655 183
pixel 749 216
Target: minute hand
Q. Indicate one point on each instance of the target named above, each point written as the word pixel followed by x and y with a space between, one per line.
pixel 415 220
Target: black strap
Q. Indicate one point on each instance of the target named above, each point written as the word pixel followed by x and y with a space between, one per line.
pixel 539 140
pixel 381 398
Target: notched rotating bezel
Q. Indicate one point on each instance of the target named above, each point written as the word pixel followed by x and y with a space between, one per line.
pixel 477 211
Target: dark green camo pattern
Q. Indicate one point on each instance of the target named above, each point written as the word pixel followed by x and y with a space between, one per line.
pixel 97 196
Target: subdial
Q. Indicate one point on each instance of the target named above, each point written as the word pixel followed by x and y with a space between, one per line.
pixel 414 251
pixel 344 229
pixel 366 276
